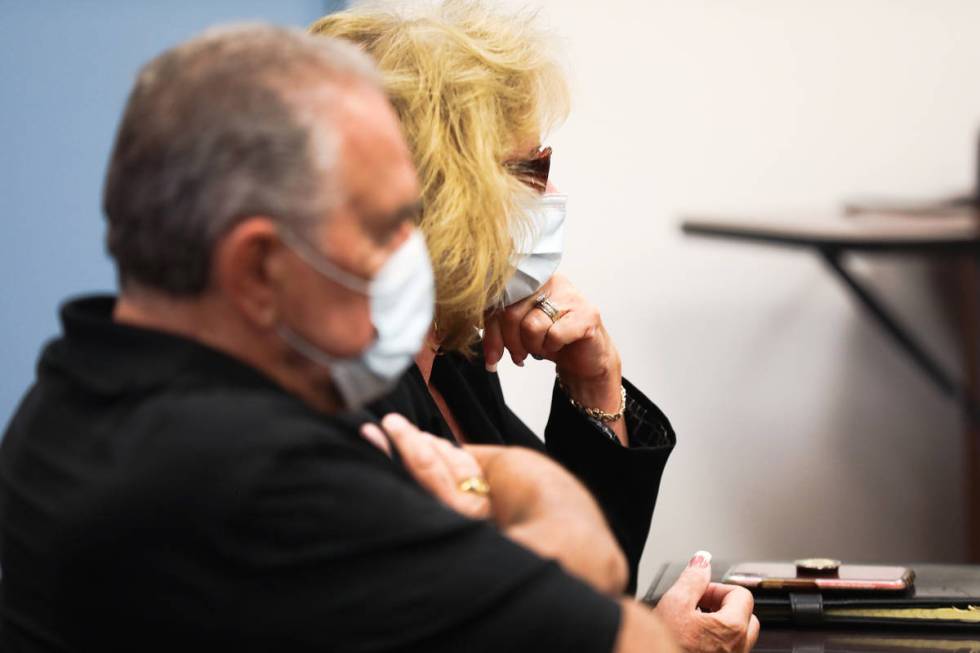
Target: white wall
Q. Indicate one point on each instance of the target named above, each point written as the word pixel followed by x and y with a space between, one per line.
pixel 801 430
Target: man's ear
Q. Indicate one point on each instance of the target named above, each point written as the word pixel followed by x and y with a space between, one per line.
pixel 247 266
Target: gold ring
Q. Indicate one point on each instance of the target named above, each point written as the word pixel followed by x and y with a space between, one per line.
pixel 475 485
pixel 545 306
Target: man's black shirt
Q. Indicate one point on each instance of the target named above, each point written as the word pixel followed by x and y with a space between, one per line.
pixel 624 480
pixel 156 494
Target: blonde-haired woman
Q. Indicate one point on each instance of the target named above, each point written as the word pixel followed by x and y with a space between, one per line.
pixel 475 90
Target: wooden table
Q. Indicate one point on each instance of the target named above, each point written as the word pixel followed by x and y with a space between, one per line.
pixel 954 231
pixel 950 236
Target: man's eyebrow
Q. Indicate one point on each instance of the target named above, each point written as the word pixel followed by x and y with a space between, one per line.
pixel 411 211
pixel 382 225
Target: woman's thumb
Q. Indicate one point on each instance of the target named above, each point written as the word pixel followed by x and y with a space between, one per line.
pixel 693 582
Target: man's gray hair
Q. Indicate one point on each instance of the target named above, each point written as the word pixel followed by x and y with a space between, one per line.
pixel 215 130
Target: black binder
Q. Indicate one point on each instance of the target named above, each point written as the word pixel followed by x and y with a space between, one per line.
pixel 944 597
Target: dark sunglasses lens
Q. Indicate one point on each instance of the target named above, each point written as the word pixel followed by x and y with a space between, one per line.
pixel 535 171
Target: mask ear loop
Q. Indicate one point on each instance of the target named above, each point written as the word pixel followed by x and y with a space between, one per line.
pixel 322 264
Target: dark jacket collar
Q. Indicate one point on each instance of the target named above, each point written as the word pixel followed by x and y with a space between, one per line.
pixel 111 358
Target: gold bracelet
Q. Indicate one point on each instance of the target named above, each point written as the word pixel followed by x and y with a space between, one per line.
pixel 598 413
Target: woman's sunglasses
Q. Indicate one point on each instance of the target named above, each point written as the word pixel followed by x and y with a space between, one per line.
pixel 534 170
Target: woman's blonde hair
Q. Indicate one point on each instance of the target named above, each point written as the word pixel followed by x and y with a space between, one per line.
pixel 470 86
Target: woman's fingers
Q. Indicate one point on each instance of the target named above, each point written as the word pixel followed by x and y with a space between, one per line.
pixel 736 625
pixel 534 329
pixel 525 329
pixel 713 596
pixel 689 588
pixel 735 614
pixel 708 617
pixel 737 601
pixel 493 342
pixel 510 330
pixel 572 327
pixel 752 636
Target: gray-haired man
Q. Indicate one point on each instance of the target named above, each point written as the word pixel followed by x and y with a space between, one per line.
pixel 174 478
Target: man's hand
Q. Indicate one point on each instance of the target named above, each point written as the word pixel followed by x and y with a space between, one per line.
pixel 707 617
pixel 437 465
pixel 534 501
pixel 539 505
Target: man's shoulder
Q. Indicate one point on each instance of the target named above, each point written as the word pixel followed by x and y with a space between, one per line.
pixel 224 420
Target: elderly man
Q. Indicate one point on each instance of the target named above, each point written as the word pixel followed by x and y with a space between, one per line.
pixel 179 476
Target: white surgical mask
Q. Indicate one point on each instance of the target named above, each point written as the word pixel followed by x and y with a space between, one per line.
pixel 538 254
pixel 402 296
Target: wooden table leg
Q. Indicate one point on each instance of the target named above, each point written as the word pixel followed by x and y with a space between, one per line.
pixel 969 275
pixel 958 283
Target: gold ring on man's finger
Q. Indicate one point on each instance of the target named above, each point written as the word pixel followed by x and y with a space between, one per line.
pixel 475 485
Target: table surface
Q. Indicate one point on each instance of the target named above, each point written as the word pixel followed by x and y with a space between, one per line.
pixel 788 640
pixel 956 229
pixel 784 638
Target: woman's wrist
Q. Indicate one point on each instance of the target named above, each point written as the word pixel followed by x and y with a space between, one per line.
pixel 603 391
pixel 604 404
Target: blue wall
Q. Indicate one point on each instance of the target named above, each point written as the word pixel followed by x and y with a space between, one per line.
pixel 65 70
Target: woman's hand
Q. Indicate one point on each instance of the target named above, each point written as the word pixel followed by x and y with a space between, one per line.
pixel 436 464
pixel 707 617
pixel 585 357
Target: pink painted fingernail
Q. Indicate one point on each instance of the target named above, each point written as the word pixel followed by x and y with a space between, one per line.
pixel 701 560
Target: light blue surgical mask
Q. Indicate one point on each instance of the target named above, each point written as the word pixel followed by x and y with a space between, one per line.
pixel 401 295
pixel 537 255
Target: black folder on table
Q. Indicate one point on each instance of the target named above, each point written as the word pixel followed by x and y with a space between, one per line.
pixel 943 596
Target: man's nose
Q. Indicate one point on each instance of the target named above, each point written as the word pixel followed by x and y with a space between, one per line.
pixel 404 233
